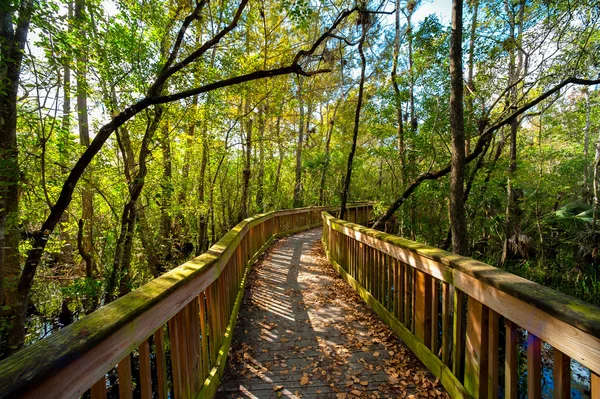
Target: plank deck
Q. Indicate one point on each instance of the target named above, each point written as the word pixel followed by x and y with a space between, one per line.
pixel 303 332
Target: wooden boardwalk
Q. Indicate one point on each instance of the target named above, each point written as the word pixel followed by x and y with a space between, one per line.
pixel 303 332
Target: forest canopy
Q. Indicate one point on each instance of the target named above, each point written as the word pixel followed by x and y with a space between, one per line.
pixel 136 133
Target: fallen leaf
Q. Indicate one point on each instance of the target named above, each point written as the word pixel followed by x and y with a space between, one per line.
pixel 304 380
pixel 277 387
pixel 364 383
pixel 375 354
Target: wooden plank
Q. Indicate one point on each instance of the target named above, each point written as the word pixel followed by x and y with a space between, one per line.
pixel 407 296
pixel 390 275
pixel 435 309
pixel 124 373
pixel 562 375
pixel 511 361
pixel 176 361
pixel 423 307
pixel 396 292
pixel 203 332
pixel 145 371
pixel 401 288
pixel 458 351
pixel 446 324
pixel 534 367
pixel 595 384
pixel 98 390
pixel 193 332
pixel 476 354
pixel 161 362
pixel 493 353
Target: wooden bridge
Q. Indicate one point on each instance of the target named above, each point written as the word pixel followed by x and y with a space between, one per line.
pixel 476 331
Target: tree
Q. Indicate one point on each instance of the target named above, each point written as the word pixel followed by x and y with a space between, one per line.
pixel 458 221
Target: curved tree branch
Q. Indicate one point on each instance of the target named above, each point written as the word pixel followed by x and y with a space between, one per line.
pixel 479 147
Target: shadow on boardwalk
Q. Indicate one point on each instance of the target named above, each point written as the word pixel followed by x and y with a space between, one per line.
pixel 302 332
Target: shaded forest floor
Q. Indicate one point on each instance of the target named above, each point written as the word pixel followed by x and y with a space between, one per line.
pixel 303 332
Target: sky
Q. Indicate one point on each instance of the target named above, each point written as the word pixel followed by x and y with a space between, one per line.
pixel 443 9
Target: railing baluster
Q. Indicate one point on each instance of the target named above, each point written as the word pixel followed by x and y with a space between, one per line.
pixel 98 390
pixel 396 294
pixel 446 323
pixel 476 354
pixel 407 296
pixel 457 334
pixel 124 373
pixel 435 308
pixel 534 367
pixel 595 383
pixel 177 354
pixel 493 353
pixel 203 332
pixel 195 369
pixel 423 307
pixel 145 374
pixel 161 362
pixel 511 361
pixel 562 375
pixel 390 278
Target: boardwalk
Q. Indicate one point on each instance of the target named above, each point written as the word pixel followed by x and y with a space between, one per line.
pixel 302 332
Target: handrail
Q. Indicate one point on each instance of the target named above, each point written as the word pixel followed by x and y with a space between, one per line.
pixel 402 281
pixel 192 309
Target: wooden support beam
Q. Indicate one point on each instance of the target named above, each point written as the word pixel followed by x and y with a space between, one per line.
pixel 423 307
pixel 493 353
pixel 145 371
pixel 534 367
pixel 435 310
pixel 161 362
pixel 511 361
pixel 562 375
pixel 595 383
pixel 446 324
pixel 98 390
pixel 476 354
pixel 124 373
pixel 458 350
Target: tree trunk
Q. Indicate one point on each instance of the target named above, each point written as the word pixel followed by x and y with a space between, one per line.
pixel 202 241
pixel 511 228
pixel 361 87
pixel 246 172
pixel 121 274
pixel 165 201
pixel 458 220
pixel 13 305
pixel 470 83
pixel 260 206
pixel 281 153
pixel 586 142
pixel 87 204
pixel 413 118
pixel 300 144
pixel 399 119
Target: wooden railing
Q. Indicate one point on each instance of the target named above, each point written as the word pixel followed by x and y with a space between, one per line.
pixel 170 337
pixel 452 312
